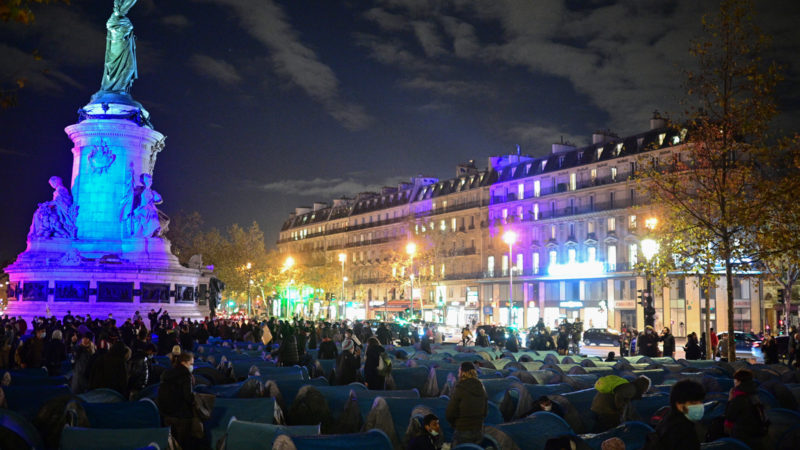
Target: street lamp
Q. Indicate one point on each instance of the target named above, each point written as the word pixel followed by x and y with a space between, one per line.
pixel 510 237
pixel 411 249
pixel 649 250
pixel 342 259
pixel 249 282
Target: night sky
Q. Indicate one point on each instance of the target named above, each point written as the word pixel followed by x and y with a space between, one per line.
pixel 269 105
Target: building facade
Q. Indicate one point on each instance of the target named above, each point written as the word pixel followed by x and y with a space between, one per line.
pixel 577 219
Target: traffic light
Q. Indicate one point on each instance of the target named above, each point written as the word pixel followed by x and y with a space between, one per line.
pixel 641 298
pixel 780 294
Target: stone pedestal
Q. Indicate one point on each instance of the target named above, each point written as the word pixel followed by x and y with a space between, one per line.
pixel 106 268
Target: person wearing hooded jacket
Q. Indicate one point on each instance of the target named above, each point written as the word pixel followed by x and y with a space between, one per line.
pixel 611 404
pixel 468 406
pixel 176 402
pixel 677 430
pixel 347 364
pixel 741 419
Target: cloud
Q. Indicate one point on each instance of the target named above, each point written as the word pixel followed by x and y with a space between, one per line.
pixel 386 20
pixel 327 188
pixel 36 73
pixel 428 38
pixel 541 136
pixel 217 69
pixel 267 23
pixel 452 88
pixel 175 20
pixel 8 151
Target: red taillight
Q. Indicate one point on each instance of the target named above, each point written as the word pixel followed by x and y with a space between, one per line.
pixel 756 344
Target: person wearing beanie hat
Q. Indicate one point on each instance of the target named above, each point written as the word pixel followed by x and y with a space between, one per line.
pixel 347 363
pixel 468 406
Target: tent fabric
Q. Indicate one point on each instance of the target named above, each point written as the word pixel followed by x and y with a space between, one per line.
pixel 15 430
pixel 244 435
pixel 725 444
pixel 371 440
pixel 120 415
pixel 309 408
pixel 531 432
pixel 634 434
pixel 102 395
pixel 286 390
pixel 258 410
pixel 577 409
pixel 420 378
pixel 250 388
pixel 781 420
pixel 113 439
pixel 26 400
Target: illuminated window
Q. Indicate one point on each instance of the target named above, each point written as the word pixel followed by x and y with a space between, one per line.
pixel 537 188
pixel 394 272
pixel 618 149
pixel 599 152
pixel 632 221
pixel 505 215
pixel 612 257
pixel 573 181
pixel 535 262
pixel 613 174
pixel 520 191
pixel 593 174
pixel 453 223
pixel 590 226
pixel 490 266
pixel 552 257
pixel 661 139
pixel 442 270
pixel 612 224
pixel 552 231
pixel 519 263
pixel 519 212
pixel 632 254
pixel 591 254
pixel 571 255
pixel 444 203
pixel 504 265
pixel 403 272
pixel 535 211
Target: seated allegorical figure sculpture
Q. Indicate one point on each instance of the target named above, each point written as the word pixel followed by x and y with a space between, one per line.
pixel 55 218
pixel 140 216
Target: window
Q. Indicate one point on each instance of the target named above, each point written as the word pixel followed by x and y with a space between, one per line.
pixel 394 272
pixel 442 272
pixel 535 211
pixel 505 214
pixel 612 257
pixel 490 266
pixel 593 174
pixel 613 174
pixel 618 149
pixel 632 222
pixel 537 188
pixel 519 212
pixel 661 139
pixel 741 289
pixel 504 264
pixel 599 152
pixel 572 230
pixel 453 223
pixel 573 181
pixel 590 226
pixel 633 254
pixel 552 257
pixel 591 254
pixel 442 225
pixel 571 255
pixel 535 262
pixel 612 224
pixel 519 266
pixel 520 191
pixel 552 231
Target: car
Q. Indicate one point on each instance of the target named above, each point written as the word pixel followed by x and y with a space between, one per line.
pixel 744 341
pixel 600 336
pixel 782 343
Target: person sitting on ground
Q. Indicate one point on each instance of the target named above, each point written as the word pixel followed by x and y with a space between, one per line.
pixel 544 403
pixel 430 438
pixel 613 398
pixel 468 406
pixel 677 430
pixel 611 357
pixel 744 414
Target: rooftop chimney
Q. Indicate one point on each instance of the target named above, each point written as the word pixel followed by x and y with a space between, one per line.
pixel 320 205
pixel 302 210
pixel 603 136
pixel 657 121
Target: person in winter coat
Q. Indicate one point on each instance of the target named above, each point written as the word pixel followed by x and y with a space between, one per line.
pixel 32 351
pixel 677 430
pixel 482 340
pixel 714 343
pixel 110 370
pixel 384 335
pixel 770 350
pixel 347 363
pixel 176 402
pixel 647 343
pixel 84 350
pixel 373 379
pixel 669 343
pixel 327 349
pixel 742 419
pixel 287 352
pixel 468 406
pixel 430 437
pixel 692 347
pixel 141 369
pixel 562 341
pixel 512 343
pixel 55 353
pixel 612 403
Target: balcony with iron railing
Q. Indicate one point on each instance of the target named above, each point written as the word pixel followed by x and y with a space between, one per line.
pixel 560 188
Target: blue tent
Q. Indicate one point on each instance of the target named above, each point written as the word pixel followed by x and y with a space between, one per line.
pixel 140 414
pixel 113 439
pixel 102 395
pixel 371 440
pixel 634 434
pixel 27 400
pixel 18 432
pixel 530 432
pixel 242 435
pixel 259 410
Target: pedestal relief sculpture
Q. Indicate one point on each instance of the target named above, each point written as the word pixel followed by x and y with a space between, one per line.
pixel 55 218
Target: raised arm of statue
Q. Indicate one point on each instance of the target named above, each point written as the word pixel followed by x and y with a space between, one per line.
pixel 119 70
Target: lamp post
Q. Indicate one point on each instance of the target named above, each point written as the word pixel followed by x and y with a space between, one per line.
pixel 288 264
pixel 649 250
pixel 249 282
pixel 411 249
pixel 342 259
pixel 510 237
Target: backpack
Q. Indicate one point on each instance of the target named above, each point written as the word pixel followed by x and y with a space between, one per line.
pixel 384 364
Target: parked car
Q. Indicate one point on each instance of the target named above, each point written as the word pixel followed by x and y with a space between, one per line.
pixel 744 341
pixel 600 336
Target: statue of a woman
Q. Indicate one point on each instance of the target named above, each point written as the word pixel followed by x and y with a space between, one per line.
pixel 120 65
pixel 145 215
pixel 55 218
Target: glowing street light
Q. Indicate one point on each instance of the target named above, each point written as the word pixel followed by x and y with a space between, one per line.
pixel 649 249
pixel 510 237
pixel 249 266
pixel 342 259
pixel 411 249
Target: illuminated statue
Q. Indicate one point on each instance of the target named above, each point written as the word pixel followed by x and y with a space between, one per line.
pixel 55 218
pixel 120 63
pixel 145 214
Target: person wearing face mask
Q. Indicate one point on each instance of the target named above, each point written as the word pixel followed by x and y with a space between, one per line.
pixel 677 430
pixel 32 351
pixel 744 415
pixel 430 439
pixel 543 403
pixel 176 402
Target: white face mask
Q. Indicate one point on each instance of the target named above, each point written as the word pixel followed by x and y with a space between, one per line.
pixel 547 408
pixel 434 433
pixel 191 368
